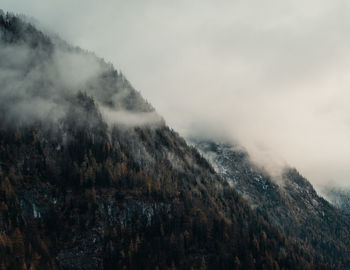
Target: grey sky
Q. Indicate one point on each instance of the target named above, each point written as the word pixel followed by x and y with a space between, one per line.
pixel 271 74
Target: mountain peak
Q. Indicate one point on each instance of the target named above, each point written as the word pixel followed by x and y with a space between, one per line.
pixel 92 178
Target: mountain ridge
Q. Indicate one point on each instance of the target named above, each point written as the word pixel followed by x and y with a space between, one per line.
pixel 292 205
pixel 78 192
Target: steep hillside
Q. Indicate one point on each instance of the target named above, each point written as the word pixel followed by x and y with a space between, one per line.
pixel 339 197
pixel 292 206
pixel 92 178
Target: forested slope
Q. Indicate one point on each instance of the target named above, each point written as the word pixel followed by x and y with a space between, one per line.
pixel 92 178
pixel 289 203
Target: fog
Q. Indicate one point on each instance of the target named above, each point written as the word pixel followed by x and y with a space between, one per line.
pixel 271 75
pixel 43 79
pixel 130 119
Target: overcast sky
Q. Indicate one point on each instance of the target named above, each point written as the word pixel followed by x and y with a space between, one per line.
pixel 273 75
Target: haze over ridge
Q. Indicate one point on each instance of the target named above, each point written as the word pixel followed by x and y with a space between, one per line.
pixel 271 75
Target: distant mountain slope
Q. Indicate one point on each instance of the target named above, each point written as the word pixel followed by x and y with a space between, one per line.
pixel 339 197
pixel 92 178
pixel 294 208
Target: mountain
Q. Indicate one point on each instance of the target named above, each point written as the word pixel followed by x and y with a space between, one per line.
pixel 339 197
pixel 91 177
pixel 290 204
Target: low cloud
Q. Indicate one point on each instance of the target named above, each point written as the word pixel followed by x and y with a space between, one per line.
pixel 131 119
pixel 40 78
pixel 271 75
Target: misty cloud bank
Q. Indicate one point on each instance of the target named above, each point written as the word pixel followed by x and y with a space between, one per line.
pixel 39 76
pixel 272 75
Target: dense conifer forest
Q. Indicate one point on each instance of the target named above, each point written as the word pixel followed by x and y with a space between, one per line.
pixel 80 192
